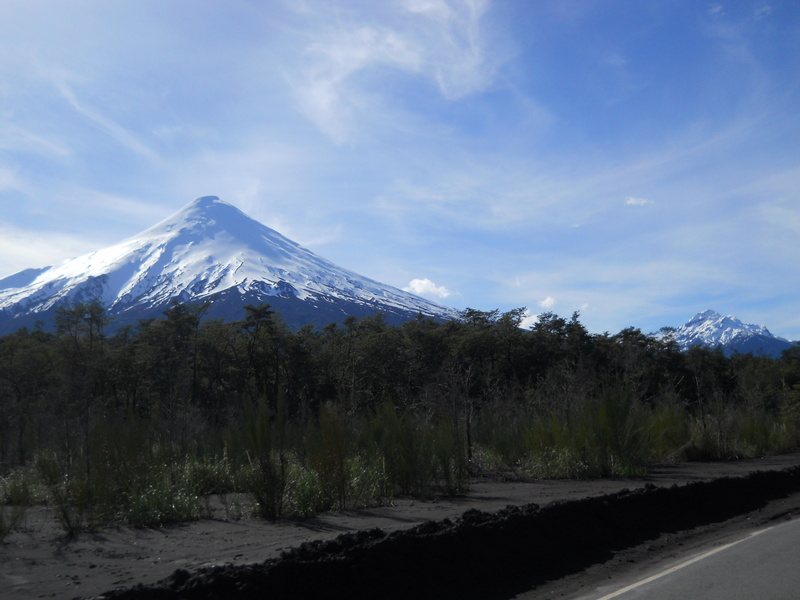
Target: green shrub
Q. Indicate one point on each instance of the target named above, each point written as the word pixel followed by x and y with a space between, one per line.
pixel 211 475
pixel 305 496
pixel 166 497
pixel 367 484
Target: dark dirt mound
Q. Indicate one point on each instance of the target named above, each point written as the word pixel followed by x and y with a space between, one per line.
pixel 480 555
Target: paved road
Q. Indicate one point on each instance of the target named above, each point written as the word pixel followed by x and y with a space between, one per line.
pixel 763 566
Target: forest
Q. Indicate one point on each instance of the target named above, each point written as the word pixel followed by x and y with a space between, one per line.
pixel 142 426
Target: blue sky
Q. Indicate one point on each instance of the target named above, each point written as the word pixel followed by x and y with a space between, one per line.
pixel 634 161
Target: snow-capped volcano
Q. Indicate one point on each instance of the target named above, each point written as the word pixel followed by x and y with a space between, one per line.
pixel 209 250
pixel 712 330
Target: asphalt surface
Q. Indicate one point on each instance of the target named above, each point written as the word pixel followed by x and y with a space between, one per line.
pixel 764 565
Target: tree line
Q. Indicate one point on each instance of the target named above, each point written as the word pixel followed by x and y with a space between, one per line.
pixel 254 405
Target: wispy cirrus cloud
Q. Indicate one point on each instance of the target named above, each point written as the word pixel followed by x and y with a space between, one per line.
pixel 10 180
pixel 456 45
pixel 19 139
pixel 30 248
pixel 342 75
pixel 328 95
pixel 117 132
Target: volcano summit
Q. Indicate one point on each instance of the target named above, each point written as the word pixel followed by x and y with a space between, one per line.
pixel 212 252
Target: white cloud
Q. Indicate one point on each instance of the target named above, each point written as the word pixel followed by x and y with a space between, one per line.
pixel 548 303
pixel 528 320
pixel 425 287
pixel 633 201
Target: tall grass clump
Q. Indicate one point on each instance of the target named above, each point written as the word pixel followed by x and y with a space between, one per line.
pixel 612 433
pixel 129 476
pixel 404 449
pixel 500 435
pixel 304 493
pixel 67 491
pixel 266 478
pixel 728 432
pixel 618 433
pixel 328 448
pixel 789 415
pixel 757 434
pixel 306 466
pixel 450 458
pixel 608 437
pixel 259 456
pixel 419 455
pixel 17 493
pixel 213 474
pixel 554 450
pixel 714 430
pixel 350 473
pixel 669 431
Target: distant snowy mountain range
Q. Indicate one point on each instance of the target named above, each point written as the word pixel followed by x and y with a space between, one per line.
pixel 712 330
pixel 212 251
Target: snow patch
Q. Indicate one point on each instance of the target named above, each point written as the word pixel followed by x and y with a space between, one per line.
pixel 207 247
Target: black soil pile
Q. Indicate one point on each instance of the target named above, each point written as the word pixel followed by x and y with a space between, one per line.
pixel 480 555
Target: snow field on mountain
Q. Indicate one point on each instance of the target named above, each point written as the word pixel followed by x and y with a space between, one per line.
pixel 206 248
